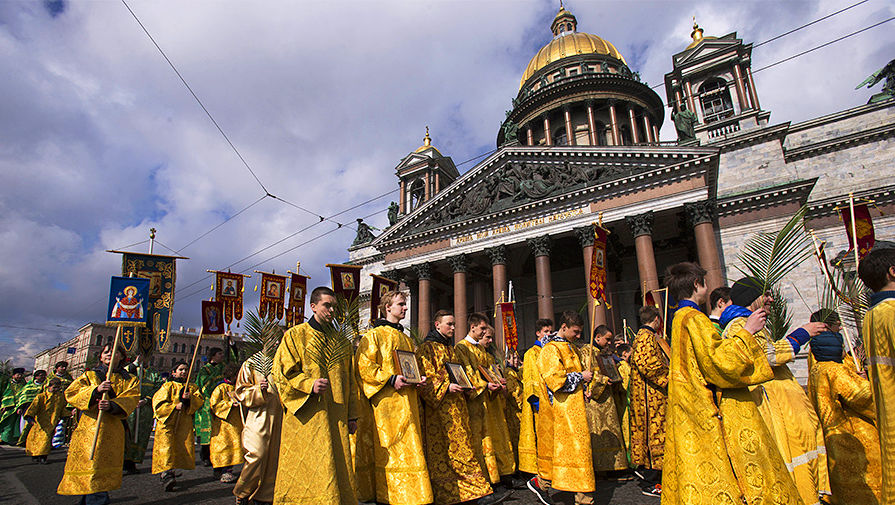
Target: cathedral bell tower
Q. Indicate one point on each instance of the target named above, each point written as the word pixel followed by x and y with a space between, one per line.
pixel 422 174
pixel 712 79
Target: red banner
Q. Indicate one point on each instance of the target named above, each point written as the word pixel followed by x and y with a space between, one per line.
pixel 381 286
pixel 863 228
pixel 273 295
pixel 508 320
pixel 598 266
pixel 346 280
pixel 228 289
pixel 298 290
pixel 212 318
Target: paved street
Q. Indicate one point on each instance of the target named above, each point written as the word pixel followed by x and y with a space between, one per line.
pixel 25 483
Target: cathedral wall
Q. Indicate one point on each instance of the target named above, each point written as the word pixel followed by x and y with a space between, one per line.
pixel 751 167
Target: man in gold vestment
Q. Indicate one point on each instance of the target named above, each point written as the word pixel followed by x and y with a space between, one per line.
pixel 877 270
pixel 401 473
pixel 564 446
pixel 455 474
pixel 607 442
pixel 487 419
pixel 717 447
pixel 531 384
pixel 319 411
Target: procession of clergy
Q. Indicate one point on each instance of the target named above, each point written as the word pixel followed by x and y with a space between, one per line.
pixel 710 414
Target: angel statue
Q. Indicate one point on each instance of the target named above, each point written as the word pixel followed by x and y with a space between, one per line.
pixel 888 91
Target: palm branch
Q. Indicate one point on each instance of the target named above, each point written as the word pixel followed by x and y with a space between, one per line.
pixel 768 257
pixel 336 342
pixel 415 336
pixel 779 319
pixel 262 337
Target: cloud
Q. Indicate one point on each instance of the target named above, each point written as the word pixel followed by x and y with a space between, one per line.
pixel 102 141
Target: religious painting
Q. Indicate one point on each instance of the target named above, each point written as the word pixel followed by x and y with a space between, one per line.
pixel 495 371
pixel 600 258
pixel 273 289
pixel 348 281
pixel 273 295
pixel 345 280
pixel 128 299
pixel 212 317
pixel 406 363
pixel 608 367
pixel 458 376
pixel 381 286
pixel 298 289
pixel 155 282
pixel 488 374
pixel 229 289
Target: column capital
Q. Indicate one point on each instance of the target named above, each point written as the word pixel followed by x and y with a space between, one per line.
pixel 540 246
pixel 700 212
pixel 459 263
pixel 641 224
pixel 585 235
pixel 394 275
pixel 423 271
pixel 498 254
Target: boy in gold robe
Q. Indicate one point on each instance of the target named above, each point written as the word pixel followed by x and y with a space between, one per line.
pixel 623 357
pixel 94 478
pixel 226 426
pixel 877 270
pixel 844 403
pixel 717 447
pixel 402 476
pixel 487 418
pixel 320 411
pixel 514 400
pixel 456 475
pixel 44 412
pixel 175 404
pixel 531 385
pixel 564 448
pixel 649 397
pixel 603 420
pixel 363 441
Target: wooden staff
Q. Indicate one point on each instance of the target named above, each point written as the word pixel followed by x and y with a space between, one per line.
pixel 854 229
pixel 186 383
pixel 99 418
pixel 625 329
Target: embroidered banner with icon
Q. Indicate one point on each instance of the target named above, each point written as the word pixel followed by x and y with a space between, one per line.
pixel 212 317
pixel 346 280
pixel 381 286
pixel 598 266
pixel 161 272
pixel 273 295
pixel 508 320
pixel 863 228
pixel 128 301
pixel 228 290
pixel 298 290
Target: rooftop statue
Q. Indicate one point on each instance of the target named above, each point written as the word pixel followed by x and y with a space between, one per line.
pixel 364 233
pixel 684 122
pixel 393 213
pixel 888 91
pixel 510 131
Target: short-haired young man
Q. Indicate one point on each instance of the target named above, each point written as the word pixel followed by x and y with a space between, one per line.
pixel 531 384
pixel 719 299
pixel 603 415
pixel 877 270
pixel 716 442
pixel 564 448
pixel 649 398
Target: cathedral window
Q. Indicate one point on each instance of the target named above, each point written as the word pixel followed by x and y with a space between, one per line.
pixel 715 98
pixel 600 133
pixel 417 194
pixel 560 138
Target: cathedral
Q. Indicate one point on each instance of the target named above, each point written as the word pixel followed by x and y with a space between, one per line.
pixel 581 145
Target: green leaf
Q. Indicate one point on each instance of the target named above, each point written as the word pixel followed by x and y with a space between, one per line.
pixel 768 257
pixel 261 339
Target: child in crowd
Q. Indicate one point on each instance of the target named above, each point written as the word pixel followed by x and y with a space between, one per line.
pixel 44 414
pixel 175 405
pixel 226 426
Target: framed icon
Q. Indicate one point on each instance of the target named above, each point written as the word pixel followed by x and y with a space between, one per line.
pixel 608 367
pixel 458 376
pixel 405 362
pixel 488 374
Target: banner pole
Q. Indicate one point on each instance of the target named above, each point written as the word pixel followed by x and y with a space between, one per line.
pixel 854 229
pixel 99 417
pixel 186 383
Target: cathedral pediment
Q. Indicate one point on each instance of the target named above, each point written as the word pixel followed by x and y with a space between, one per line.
pixel 708 48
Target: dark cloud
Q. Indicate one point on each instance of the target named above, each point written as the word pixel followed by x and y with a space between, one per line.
pixel 55 7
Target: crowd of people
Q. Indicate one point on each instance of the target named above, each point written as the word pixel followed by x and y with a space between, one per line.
pixel 702 409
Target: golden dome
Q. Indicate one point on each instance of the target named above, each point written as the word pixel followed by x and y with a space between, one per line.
pixel 697 35
pixel 427 144
pixel 568 43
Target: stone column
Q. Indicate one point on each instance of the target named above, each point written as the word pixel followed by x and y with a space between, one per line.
pixel 752 91
pixel 591 124
pixel 586 238
pixel 656 133
pixel 648 129
pixel 424 305
pixel 691 105
pixel 741 89
pixel 613 118
pixel 540 248
pixel 701 216
pixel 635 137
pixel 428 183
pixel 570 134
pixel 642 228
pixel 458 265
pixel 677 100
pixel 478 295
pixel 531 136
pixel 548 138
pixel 402 209
pixel 498 255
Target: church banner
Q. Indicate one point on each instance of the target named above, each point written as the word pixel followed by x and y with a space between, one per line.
pixel 273 295
pixel 508 320
pixel 598 266
pixel 863 228
pixel 381 286
pixel 298 290
pixel 228 290
pixel 128 299
pixel 161 272
pixel 346 280
pixel 212 318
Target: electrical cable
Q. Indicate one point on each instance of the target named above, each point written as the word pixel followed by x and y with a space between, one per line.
pixel 191 242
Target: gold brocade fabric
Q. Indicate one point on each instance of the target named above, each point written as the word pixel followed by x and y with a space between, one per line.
pixel 175 444
pixel 879 344
pixel 790 417
pixel 607 444
pixel 226 427
pixel 487 415
pixel 716 443
pixel 362 442
pixel 401 475
pixel 649 398
pixel 102 473
pixel 455 474
pixel 564 445
pixel 531 385
pixel 315 458
pixel 46 409
pixel 515 390
pixel 844 403
pixel 260 435
pixel 624 369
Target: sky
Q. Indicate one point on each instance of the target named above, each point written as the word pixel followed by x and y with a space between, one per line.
pixel 100 140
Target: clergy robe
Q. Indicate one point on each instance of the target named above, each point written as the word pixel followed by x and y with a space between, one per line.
pixel 564 446
pixel 210 374
pixel 514 408
pixel 362 443
pixel 102 473
pixel 45 410
pixel 487 419
pixel 23 399
pixel 141 419
pixel 716 443
pixel 174 445
pixel 649 397
pixel 315 458
pixel 844 403
pixel 531 385
pixel 401 474
pixel 624 399
pixel 226 427
pixel 790 417
pixel 9 418
pixel 260 435
pixel 879 344
pixel 606 440
pixel 455 474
